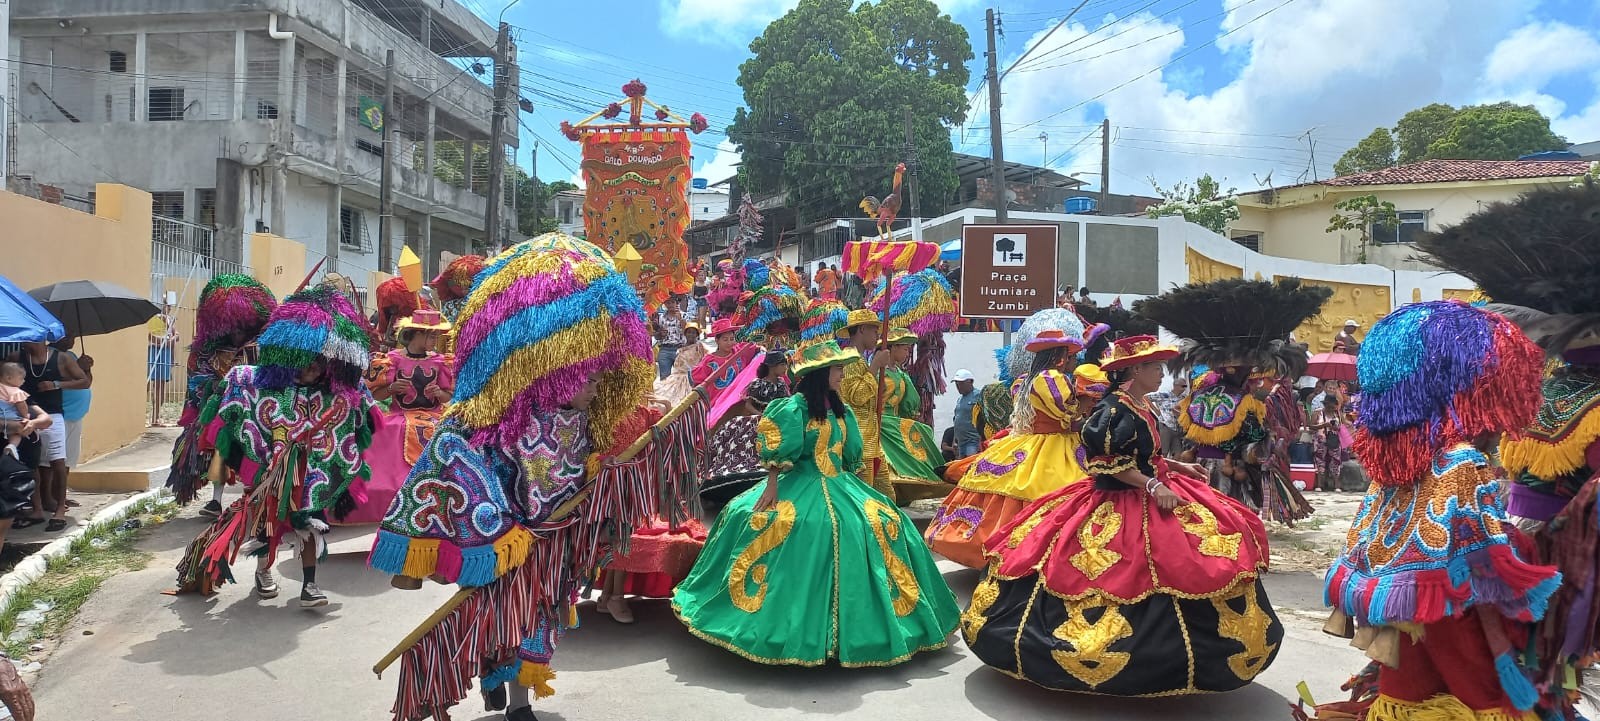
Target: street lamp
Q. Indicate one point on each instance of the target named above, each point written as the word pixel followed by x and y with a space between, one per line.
pixel 1045 139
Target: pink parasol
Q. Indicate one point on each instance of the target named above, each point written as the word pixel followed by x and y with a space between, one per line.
pixel 1332 366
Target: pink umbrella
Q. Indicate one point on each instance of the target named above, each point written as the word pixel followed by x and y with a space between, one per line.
pixel 1332 366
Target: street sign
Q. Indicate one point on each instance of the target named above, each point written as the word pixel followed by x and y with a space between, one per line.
pixel 1008 271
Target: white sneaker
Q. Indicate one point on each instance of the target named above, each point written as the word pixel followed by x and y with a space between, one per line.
pixel 312 597
pixel 266 586
pixel 13 451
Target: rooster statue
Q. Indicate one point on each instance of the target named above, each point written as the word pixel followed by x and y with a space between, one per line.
pixel 887 209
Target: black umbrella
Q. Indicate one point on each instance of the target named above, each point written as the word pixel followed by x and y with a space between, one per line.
pixel 93 307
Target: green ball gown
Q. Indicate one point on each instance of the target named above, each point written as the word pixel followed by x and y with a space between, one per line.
pixel 833 571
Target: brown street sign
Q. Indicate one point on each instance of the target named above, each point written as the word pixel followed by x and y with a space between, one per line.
pixel 1008 271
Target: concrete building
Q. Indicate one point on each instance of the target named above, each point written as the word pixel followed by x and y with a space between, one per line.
pixel 566 206
pixel 257 115
pixel 708 203
pixel 1291 222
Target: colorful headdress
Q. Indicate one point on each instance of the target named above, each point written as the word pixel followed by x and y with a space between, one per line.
pixel 818 349
pixel 1134 350
pixel 770 307
pixel 231 304
pixel 455 281
pixel 859 317
pixel 1435 374
pixel 1105 323
pixel 823 320
pixel 901 336
pixel 395 301
pixel 317 324
pixel 423 319
pixel 1537 258
pixel 544 317
pixel 923 302
pixel 1017 361
pixel 1053 338
pixel 1235 322
pixel 1090 381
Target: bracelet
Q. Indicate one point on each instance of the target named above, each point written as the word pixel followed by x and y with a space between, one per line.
pixel 1151 485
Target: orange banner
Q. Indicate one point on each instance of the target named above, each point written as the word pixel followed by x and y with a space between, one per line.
pixel 636 186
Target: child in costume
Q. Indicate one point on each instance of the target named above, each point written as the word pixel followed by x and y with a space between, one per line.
pixel 1039 456
pixel 233 309
pixel 296 428
pixel 416 382
pixel 718 369
pixel 677 385
pixel 510 497
pixel 815 564
pixel 1432 575
pixel 1142 582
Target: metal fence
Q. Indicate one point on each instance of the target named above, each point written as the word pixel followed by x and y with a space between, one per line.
pixel 178 274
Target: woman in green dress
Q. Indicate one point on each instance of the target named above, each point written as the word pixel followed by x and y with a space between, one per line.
pixel 815 564
pixel 908 444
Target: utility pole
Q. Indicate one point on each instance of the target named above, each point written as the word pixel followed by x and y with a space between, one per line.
pixel 497 126
pixel 1044 158
pixel 386 185
pixel 5 89
pixel 911 153
pixel 1105 163
pixel 536 185
pixel 1312 144
pixel 997 160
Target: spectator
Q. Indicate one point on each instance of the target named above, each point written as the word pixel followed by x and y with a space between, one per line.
pixel 1083 297
pixel 1330 389
pixel 49 373
pixel 827 282
pixel 163 338
pixel 668 327
pixel 948 444
pixel 967 436
pixel 1165 404
pixel 75 404
pixel 855 292
pixel 1064 298
pixel 1326 423
pixel 1347 338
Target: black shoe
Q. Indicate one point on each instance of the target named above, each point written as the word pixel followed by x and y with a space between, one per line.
pixel 212 509
pixel 521 714
pixel 312 597
pixel 494 699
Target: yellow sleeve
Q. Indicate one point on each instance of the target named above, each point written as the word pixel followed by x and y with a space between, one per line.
pixel 859 387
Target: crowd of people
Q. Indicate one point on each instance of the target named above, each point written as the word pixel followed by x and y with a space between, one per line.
pixel 44 396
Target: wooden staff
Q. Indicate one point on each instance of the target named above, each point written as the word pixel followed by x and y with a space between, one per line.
pixel 561 511
pixel 883 347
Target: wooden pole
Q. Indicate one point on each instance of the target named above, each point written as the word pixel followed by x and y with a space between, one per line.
pixel 883 347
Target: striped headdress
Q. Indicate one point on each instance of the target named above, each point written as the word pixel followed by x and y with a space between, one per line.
pixel 317 324
pixel 231 304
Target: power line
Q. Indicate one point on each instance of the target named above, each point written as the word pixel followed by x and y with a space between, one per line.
pixel 1034 66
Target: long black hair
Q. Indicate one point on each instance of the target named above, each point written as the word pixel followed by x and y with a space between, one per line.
pixel 820 399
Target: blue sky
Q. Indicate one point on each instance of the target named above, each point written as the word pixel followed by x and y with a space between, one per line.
pixel 1229 87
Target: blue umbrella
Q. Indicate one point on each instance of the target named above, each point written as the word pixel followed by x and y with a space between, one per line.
pixel 951 250
pixel 23 319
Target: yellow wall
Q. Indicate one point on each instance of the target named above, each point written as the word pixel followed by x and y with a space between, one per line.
pixel 1295 227
pixel 1203 269
pixel 48 244
pixel 1362 303
pixel 277 262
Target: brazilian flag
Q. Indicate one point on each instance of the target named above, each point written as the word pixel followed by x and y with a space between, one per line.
pixel 370 112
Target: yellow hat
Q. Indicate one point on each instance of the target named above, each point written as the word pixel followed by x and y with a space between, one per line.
pixel 901 336
pixel 859 317
pixel 818 355
pixel 423 319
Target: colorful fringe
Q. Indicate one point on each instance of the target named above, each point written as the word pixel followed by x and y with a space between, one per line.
pixel 231 304
pixel 1566 425
pixel 922 302
pixel 1223 423
pixel 770 309
pixel 1436 373
pixel 1018 360
pixel 396 300
pixel 317 324
pixel 870 258
pixel 455 281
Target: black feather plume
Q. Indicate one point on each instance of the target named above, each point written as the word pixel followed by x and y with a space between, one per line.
pixel 1235 321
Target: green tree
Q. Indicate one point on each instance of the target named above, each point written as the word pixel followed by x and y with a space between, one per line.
pixel 1502 131
pixel 1419 128
pixel 532 195
pixel 1360 214
pixel 826 95
pixel 1204 204
pixel 1374 152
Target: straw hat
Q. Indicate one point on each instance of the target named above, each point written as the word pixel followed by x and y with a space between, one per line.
pixel 1136 350
pixel 1053 338
pixel 424 319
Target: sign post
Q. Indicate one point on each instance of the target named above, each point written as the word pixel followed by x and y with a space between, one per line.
pixel 1008 271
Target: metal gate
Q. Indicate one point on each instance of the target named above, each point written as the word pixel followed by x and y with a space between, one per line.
pixel 180 266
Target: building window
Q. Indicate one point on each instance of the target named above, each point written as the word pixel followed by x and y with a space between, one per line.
pixel 266 110
pixel 1249 240
pixel 118 61
pixel 566 214
pixel 373 148
pixel 206 213
pixel 166 104
pixel 353 230
pixel 1412 224
pixel 167 204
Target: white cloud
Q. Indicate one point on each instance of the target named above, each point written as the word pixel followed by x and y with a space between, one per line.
pixel 1537 53
pixel 737 22
pixel 721 165
pixel 1309 64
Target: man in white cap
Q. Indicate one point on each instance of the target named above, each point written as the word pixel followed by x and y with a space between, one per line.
pixel 967 436
pixel 1347 339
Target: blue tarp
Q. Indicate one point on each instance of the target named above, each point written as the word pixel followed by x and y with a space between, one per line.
pixel 23 319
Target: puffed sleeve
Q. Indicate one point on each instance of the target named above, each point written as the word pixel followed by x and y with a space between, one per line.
pixel 859 386
pixel 780 434
pixel 852 440
pixel 1050 394
pixel 707 366
pixel 1110 437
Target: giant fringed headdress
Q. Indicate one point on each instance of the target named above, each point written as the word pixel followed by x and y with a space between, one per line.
pixel 231 304
pixel 771 306
pixel 317 324
pixel 1435 374
pixel 1235 322
pixel 395 301
pixel 1016 361
pixel 1117 322
pixel 544 317
pixel 924 303
pixel 455 281
pixel 1537 258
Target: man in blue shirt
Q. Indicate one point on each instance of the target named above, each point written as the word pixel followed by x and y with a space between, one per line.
pixel 967 437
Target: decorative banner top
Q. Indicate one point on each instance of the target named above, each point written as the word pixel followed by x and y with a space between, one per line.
pixel 634 103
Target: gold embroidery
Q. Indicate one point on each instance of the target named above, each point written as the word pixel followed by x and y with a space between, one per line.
pixel 770 436
pixel 1198 521
pixel 914 441
pixel 983 597
pixel 1248 628
pixel 1095 558
pixel 826 449
pixel 1090 661
pixel 900 575
pixel 1026 527
pixel 774 526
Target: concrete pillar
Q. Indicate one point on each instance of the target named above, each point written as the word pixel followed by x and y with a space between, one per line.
pixel 335 202
pixel 283 137
pixel 429 263
pixel 241 66
pixel 466 163
pixel 141 84
pixel 341 67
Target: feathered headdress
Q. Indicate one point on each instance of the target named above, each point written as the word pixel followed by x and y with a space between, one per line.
pixel 1235 322
pixel 544 317
pixel 455 281
pixel 1016 361
pixel 1537 258
pixel 771 307
pixel 317 324
pixel 231 304
pixel 395 301
pixel 1435 374
pixel 1118 321
pixel 924 303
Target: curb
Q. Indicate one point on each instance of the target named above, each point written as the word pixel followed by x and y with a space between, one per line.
pixel 33 566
